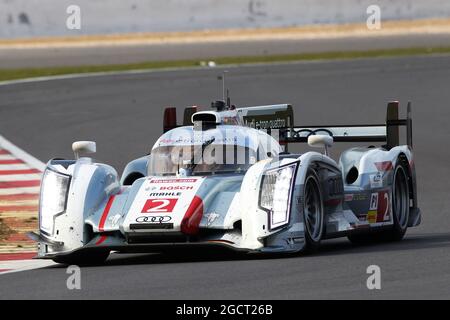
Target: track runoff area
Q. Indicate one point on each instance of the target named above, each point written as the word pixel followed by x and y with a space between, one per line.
pixel 20 178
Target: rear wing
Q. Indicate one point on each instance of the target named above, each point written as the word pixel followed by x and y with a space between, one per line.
pixel 268 117
pixel 389 132
pixel 278 116
pixel 281 117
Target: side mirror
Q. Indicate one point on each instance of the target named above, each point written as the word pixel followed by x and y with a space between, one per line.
pixel 320 141
pixel 87 147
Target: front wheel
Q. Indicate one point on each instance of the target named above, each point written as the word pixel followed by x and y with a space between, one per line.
pixel 313 216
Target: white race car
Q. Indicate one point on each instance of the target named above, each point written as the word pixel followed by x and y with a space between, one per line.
pixel 225 178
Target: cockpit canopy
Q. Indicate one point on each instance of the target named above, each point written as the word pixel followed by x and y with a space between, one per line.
pixel 224 149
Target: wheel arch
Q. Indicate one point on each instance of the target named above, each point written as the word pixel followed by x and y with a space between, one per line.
pixel 131 177
pixel 313 160
pixel 329 176
pixel 404 161
pixel 134 170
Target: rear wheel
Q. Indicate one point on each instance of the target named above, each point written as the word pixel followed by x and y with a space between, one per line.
pixel 400 212
pixel 86 258
pixel 400 204
pixel 312 213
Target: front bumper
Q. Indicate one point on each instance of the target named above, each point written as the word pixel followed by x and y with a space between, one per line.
pixel 48 249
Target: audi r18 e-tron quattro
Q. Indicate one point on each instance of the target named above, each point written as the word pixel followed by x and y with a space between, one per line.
pixel 225 178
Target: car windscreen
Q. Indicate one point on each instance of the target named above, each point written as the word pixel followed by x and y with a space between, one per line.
pixel 200 160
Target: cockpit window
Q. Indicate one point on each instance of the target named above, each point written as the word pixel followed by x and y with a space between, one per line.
pixel 203 159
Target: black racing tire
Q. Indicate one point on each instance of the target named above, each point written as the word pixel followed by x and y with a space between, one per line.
pixel 400 212
pixel 83 258
pixel 313 212
pixel 400 203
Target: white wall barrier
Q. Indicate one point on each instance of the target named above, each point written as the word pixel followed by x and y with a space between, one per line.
pixel 32 18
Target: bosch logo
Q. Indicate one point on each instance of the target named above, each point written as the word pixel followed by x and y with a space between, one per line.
pixel 153 219
pixel 176 188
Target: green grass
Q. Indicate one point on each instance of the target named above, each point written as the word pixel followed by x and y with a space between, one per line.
pixel 13 74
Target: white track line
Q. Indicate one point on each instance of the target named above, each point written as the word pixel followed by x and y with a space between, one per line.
pixel 21 154
pixel 144 71
pixel 219 67
pixel 7 157
pixel 97 74
pixel 13 191
pixel 20 177
pixel 24 265
pixel 7 167
pixel 20 203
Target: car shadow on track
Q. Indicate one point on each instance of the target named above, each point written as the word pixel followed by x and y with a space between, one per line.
pixel 410 242
pixel 328 248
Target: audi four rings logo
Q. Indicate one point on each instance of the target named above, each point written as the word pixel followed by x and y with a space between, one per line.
pixel 153 219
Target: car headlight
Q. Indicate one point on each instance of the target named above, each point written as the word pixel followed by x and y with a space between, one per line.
pixel 276 192
pixel 54 191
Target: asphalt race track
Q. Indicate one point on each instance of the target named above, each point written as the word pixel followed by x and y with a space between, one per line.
pixel 123 113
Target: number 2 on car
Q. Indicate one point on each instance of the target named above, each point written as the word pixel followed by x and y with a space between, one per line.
pixel 159 205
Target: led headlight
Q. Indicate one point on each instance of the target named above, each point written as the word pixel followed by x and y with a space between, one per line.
pixel 54 190
pixel 276 192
